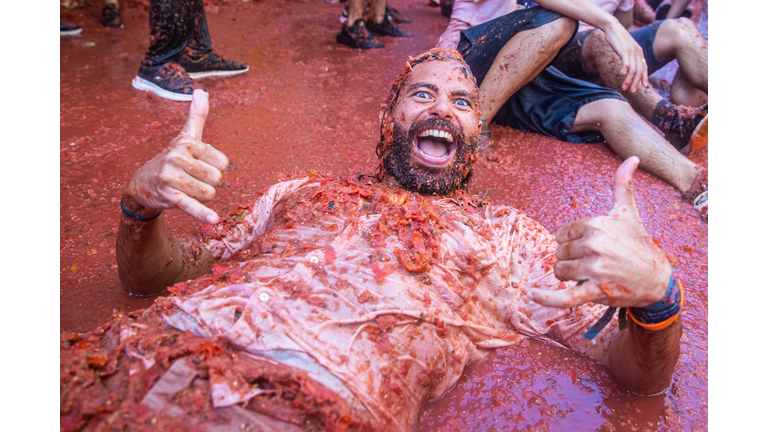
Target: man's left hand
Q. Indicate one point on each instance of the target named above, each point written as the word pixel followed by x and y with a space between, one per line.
pixel 613 257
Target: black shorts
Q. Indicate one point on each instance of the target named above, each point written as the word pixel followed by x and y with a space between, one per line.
pixel 549 103
pixel 571 60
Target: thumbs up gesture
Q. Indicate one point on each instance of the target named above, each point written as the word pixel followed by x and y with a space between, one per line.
pixel 183 175
pixel 612 257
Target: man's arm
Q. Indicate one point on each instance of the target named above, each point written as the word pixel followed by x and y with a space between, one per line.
pixel 150 258
pixel 633 67
pixel 617 264
pixel 641 360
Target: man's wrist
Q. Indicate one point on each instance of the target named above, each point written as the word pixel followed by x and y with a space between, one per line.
pixel 608 23
pixel 132 208
pixel 663 313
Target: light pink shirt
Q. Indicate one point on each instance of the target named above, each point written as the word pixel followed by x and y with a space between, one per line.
pixel 328 272
pixel 610 6
pixel 469 13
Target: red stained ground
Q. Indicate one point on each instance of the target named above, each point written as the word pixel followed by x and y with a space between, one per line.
pixel 309 103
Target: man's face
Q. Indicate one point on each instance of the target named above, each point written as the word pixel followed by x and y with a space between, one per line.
pixel 436 129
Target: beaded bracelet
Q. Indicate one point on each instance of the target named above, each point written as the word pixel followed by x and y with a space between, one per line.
pixel 663 313
pixel 135 216
pixel 655 317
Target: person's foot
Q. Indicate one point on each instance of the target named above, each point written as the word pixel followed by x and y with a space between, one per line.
pixel 169 81
pixel 683 126
pixel 385 28
pixel 69 30
pixel 698 193
pixel 110 16
pixel 211 64
pixel 357 36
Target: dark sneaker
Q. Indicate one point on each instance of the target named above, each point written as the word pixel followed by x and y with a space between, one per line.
pixel 357 36
pixel 110 16
pixel 169 81
pixel 682 125
pixel 396 16
pixel 446 8
pixel 212 64
pixel 663 10
pixel 701 204
pixel 385 28
pixel 69 30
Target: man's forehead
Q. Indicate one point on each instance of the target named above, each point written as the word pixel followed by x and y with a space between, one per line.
pixel 442 73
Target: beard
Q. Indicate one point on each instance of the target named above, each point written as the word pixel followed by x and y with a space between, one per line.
pixel 400 162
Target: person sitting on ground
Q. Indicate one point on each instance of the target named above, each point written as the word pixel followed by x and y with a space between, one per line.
pixel 667 80
pixel 589 57
pixel 180 51
pixel 357 32
pixel 508 50
pixel 345 304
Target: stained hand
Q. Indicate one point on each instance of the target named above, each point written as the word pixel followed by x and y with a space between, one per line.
pixel 612 256
pixel 633 66
pixel 184 174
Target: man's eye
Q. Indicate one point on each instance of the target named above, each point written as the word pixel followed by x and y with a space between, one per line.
pixel 423 95
pixel 462 102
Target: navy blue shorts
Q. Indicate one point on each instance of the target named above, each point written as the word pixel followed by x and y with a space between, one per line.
pixel 571 61
pixel 549 103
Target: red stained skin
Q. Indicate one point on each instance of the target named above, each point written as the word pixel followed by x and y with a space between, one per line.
pixel 311 122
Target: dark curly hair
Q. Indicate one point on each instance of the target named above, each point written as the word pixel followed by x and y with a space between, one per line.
pixel 386 115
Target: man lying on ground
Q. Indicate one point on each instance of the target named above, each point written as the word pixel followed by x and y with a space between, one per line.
pixel 332 304
pixel 509 52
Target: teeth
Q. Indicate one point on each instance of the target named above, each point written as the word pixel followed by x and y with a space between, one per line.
pixel 437 133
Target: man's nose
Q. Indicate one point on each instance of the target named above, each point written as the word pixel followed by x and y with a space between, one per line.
pixel 441 109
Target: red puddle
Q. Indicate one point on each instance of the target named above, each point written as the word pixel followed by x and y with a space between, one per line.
pixel 308 103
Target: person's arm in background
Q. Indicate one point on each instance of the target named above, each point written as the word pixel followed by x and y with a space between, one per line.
pixel 677 8
pixel 617 264
pixel 625 18
pixel 633 67
pixel 150 257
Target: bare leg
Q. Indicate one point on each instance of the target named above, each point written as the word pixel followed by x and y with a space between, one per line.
pixel 628 135
pixel 355 12
pixel 519 61
pixel 680 39
pixel 675 39
pixel 378 9
pixel 684 93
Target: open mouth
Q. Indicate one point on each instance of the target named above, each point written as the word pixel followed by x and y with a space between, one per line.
pixel 435 147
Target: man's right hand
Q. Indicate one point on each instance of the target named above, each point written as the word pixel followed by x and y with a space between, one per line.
pixel 184 175
pixel 634 68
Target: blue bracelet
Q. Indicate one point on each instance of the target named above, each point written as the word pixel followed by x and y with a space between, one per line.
pixel 656 314
pixel 135 216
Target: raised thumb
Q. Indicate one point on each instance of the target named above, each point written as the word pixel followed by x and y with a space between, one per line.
pixel 198 111
pixel 623 187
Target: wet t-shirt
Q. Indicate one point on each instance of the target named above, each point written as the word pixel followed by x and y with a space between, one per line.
pixel 380 294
